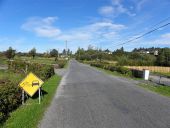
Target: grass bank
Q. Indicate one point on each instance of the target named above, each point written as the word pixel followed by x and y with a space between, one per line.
pixel 117 74
pixel 163 90
pixel 29 115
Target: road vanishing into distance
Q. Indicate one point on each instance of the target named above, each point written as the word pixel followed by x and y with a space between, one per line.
pixel 88 98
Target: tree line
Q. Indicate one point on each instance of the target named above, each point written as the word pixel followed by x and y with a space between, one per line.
pixel 10 53
pixel 137 57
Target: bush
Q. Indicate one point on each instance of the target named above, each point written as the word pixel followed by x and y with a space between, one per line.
pixel 10 94
pixel 120 69
pixel 10 98
pixel 61 63
pixel 41 70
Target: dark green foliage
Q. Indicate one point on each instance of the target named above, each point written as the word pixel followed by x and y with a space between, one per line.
pixel 164 57
pixel 54 53
pixel 120 69
pixel 10 98
pixel 41 70
pixel 61 64
pixel 32 52
pixel 10 94
pixel 137 73
pixel 136 59
pixel 93 54
pixel 10 53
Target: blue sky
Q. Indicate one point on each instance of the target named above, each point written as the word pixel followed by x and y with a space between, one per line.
pixel 46 24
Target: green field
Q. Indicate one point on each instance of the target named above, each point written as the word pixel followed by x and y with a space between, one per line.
pixel 29 115
pixel 37 59
pixel 42 60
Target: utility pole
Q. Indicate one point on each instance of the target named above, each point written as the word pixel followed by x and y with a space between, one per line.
pixel 66 48
pixel 58 53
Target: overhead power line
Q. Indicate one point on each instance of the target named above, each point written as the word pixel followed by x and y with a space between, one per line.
pixel 147 33
pixel 155 25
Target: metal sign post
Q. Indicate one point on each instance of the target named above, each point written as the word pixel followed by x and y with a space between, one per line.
pixel 23 98
pixel 23 95
pixel 39 91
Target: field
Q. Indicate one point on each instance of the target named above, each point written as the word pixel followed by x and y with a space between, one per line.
pixel 41 60
pixel 151 68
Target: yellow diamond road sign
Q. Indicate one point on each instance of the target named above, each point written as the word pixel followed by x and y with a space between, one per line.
pixel 31 84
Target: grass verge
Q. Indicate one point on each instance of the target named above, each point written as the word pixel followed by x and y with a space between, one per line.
pixel 66 65
pixel 29 115
pixel 117 74
pixel 163 90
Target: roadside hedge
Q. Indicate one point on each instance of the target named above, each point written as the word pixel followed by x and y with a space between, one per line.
pixel 41 70
pixel 61 63
pixel 10 94
pixel 10 98
pixel 120 69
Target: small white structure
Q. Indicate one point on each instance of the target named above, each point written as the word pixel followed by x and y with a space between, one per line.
pixel 146 74
pixel 156 53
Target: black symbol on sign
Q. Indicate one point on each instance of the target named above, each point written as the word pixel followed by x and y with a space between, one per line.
pixel 35 83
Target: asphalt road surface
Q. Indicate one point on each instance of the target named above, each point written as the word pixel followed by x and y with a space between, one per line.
pixel 87 98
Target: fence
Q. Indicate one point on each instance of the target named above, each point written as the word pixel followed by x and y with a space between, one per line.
pixel 151 68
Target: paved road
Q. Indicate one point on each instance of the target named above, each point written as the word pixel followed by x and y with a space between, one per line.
pixel 87 98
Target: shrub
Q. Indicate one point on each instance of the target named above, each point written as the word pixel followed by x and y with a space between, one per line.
pixel 10 98
pixel 61 63
pixel 10 94
pixel 120 69
pixel 41 70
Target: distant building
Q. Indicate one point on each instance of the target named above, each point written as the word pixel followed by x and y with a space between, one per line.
pixel 108 51
pixel 156 53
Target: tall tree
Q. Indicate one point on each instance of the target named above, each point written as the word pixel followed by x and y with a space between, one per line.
pixel 32 53
pixel 10 53
pixel 53 53
pixel 64 52
pixel 164 57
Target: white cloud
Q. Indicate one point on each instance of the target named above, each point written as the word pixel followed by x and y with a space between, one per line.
pixel 93 32
pixel 43 27
pixel 115 9
pixel 166 36
pixel 140 4
pixel 116 2
pixel 47 31
pixel 104 31
pixel 163 39
pixel 106 10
